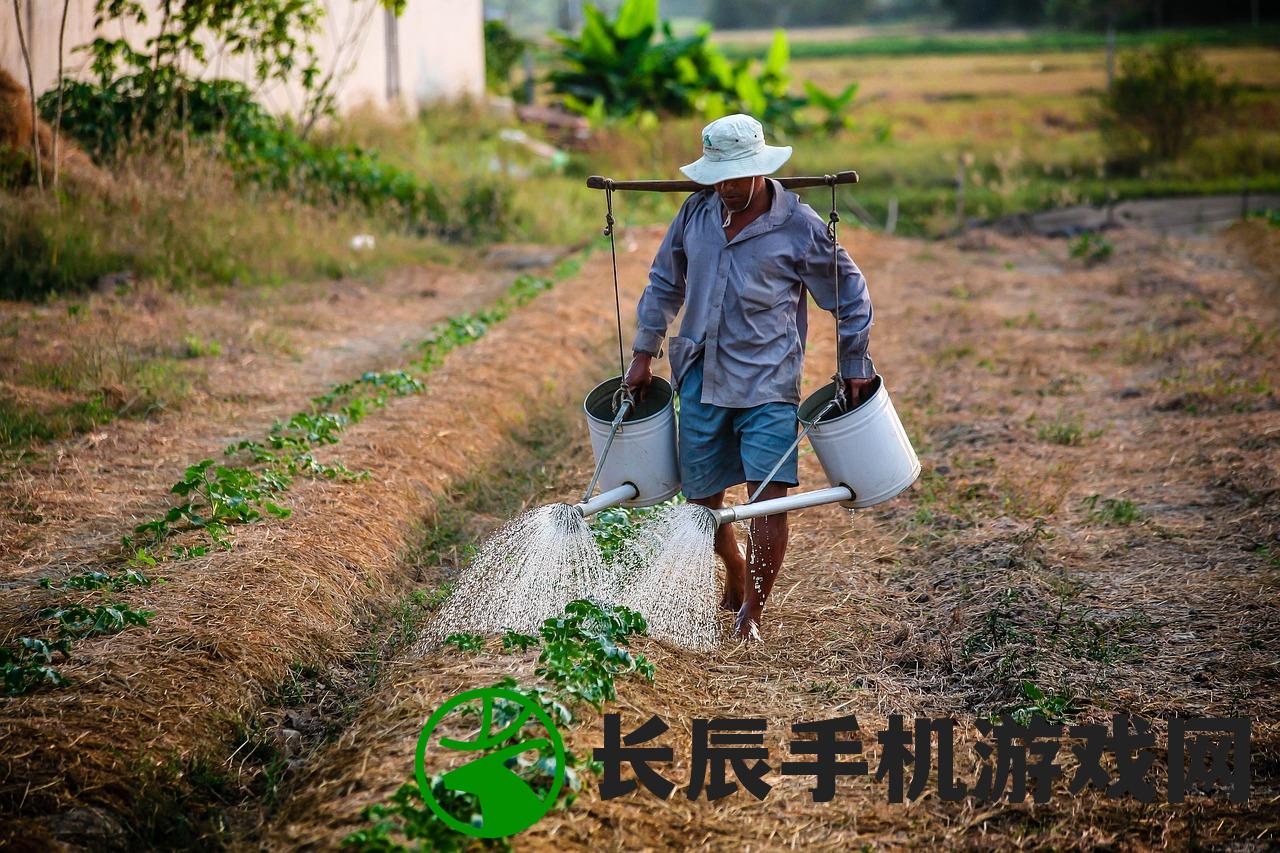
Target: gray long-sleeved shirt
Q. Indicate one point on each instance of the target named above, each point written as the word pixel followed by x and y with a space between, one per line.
pixel 744 299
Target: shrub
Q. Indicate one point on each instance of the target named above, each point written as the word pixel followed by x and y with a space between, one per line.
pixel 1162 100
pixel 108 116
pixel 502 50
pixel 112 117
pixel 44 254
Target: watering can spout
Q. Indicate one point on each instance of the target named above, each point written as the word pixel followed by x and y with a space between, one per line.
pixel 604 500
pixel 786 503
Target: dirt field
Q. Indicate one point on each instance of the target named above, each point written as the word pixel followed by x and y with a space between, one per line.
pixel 1098 517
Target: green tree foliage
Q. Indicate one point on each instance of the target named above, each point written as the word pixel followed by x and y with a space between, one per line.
pixel 502 50
pixel 1163 99
pixel 634 67
pixel 274 35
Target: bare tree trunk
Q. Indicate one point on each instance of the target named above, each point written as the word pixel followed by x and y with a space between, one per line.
pixel 392 32
pixel 57 119
pixel 31 90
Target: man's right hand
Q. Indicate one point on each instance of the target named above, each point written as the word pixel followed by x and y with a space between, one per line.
pixel 639 374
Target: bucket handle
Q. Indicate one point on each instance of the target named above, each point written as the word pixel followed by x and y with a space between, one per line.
pixel 799 438
pixel 624 406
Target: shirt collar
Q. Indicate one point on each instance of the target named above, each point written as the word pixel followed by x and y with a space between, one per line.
pixel 780 209
pixel 783 202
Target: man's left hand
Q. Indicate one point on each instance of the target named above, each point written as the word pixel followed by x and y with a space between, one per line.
pixel 857 391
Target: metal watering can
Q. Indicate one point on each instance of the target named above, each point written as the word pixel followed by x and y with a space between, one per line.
pixel 864 451
pixel 643 468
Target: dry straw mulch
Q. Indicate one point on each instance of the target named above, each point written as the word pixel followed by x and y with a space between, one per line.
pixel 148 704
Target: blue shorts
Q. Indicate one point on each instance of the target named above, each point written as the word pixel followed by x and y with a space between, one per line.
pixel 722 447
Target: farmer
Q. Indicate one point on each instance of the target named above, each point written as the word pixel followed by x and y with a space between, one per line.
pixel 740 257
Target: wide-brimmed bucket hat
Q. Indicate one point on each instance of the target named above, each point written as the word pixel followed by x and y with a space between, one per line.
pixel 733 147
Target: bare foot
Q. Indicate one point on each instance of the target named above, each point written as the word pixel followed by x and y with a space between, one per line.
pixel 735 582
pixel 747 626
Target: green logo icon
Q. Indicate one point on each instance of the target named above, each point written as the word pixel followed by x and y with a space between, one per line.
pixel 498 776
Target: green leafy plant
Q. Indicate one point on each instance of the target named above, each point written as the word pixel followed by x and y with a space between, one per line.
pixel 834 107
pixel 1116 511
pixel 274 36
pixel 218 496
pixel 614 527
pixel 583 650
pixel 502 50
pixel 100 580
pixel 111 115
pixel 465 642
pixel 1064 430
pixel 1053 707
pixel 77 621
pixel 634 66
pixel 1271 216
pixel 1091 248
pixel 515 641
pixel 193 346
pixel 30 665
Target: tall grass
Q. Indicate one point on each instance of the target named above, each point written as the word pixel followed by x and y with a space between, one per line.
pixel 182 224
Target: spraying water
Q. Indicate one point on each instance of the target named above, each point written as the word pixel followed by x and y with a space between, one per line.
pixel 671 578
pixel 526 573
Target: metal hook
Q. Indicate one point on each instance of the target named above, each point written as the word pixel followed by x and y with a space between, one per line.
pixel 608 204
pixel 623 397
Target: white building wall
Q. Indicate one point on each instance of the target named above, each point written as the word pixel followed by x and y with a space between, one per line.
pixel 441 51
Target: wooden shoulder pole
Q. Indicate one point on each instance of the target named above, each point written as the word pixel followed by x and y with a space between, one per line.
pixel 597 182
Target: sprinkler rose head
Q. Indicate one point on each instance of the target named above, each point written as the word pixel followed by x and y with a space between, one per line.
pixel 567 518
pixel 708 518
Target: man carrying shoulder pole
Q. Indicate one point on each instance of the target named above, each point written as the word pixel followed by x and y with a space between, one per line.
pixel 740 257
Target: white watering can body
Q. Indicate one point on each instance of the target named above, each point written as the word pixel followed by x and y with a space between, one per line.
pixel 643 453
pixel 865 449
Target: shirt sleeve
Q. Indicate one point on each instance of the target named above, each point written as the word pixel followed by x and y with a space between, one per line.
pixel 664 294
pixel 855 318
